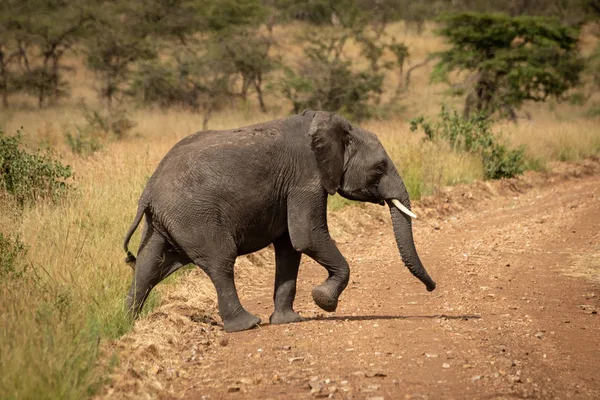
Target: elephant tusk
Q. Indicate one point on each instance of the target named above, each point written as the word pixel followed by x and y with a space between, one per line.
pixel 403 208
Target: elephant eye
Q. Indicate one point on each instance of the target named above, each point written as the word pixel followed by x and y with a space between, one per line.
pixel 380 168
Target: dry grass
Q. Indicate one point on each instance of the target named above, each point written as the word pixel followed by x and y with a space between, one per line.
pixel 71 297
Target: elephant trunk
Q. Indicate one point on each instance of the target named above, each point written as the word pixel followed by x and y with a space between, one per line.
pixel 392 189
pixel 404 239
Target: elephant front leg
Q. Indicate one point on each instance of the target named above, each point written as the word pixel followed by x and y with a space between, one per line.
pixel 307 222
pixel 326 295
pixel 287 262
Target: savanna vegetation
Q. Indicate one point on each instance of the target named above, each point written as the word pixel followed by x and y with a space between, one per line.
pixel 94 92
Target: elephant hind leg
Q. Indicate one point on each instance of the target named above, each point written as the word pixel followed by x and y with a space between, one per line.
pixel 287 262
pixel 156 260
pixel 219 267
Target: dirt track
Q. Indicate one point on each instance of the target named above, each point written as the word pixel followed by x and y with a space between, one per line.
pixel 514 316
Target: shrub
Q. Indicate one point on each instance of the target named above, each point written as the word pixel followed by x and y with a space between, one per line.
pixel 27 177
pixel 115 121
pixel 82 142
pixel 474 134
pixel 10 252
pixel 327 79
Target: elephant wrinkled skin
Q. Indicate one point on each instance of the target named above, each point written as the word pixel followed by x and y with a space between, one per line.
pixel 217 195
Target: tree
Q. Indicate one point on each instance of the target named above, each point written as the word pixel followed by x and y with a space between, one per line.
pixel 117 40
pixel 241 34
pixel 330 78
pixel 223 55
pixel 46 30
pixel 508 60
pixel 8 52
pixel 325 79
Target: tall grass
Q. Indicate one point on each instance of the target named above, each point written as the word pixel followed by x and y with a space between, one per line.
pixel 71 293
pixel 55 316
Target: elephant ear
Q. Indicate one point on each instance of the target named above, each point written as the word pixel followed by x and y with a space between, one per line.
pixel 329 136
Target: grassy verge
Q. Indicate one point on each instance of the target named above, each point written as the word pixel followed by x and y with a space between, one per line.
pixel 65 288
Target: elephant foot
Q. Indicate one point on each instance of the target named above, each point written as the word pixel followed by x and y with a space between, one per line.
pixel 241 322
pixel 325 298
pixel 284 317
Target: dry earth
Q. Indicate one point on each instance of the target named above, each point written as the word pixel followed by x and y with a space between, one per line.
pixel 517 264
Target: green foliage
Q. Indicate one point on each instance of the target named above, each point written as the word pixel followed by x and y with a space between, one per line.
pixel 110 55
pixel 474 135
pixel 38 34
pixel 11 251
pixel 99 127
pixel 198 79
pixel 222 55
pixel 593 111
pixel 222 15
pixel 27 177
pixel 593 65
pixel 509 60
pixel 82 142
pixel 325 80
pixel 115 122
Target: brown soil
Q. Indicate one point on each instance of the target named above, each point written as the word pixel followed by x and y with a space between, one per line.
pixel 514 315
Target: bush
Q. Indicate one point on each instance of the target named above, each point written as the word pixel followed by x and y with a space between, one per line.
pixel 10 252
pixel 115 122
pixel 327 79
pixel 474 135
pixel 82 142
pixel 27 177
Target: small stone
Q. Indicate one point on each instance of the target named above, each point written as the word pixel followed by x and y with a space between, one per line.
pixel 155 370
pixel 539 335
pixel 375 375
pixel 294 359
pixel 475 378
pixel 233 389
pixel 445 365
pixel 287 347
pixel 431 355
pixel 516 379
pixel 246 381
pixel 224 341
pixel 370 388
pixel 359 374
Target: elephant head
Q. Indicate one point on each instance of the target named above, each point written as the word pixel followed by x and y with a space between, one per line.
pixel 353 163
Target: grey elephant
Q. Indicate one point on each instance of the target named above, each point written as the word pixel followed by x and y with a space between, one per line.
pixel 217 195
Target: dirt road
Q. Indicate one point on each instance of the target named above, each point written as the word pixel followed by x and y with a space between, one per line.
pixel 514 316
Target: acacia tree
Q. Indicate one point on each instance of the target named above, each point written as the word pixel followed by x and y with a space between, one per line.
pixel 241 35
pixel 8 52
pixel 508 60
pixel 44 31
pixel 222 54
pixel 329 77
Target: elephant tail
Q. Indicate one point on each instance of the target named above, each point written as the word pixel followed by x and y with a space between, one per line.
pixel 130 259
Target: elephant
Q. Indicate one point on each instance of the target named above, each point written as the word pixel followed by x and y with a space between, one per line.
pixel 217 195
